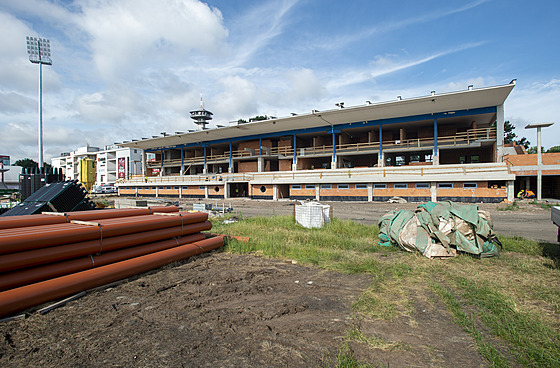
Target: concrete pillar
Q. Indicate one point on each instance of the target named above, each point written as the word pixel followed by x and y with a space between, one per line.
pixel 317 192
pixel 260 164
pixel 435 157
pixel 370 192
pixel 500 133
pixel 510 191
pixel 333 164
pixel 294 166
pixel 275 192
pixel 206 192
pixel 380 161
pixel 433 191
pixel 226 191
pixel 180 191
pixel 157 191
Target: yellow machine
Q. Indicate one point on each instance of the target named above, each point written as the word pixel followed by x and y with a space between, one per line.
pixel 86 173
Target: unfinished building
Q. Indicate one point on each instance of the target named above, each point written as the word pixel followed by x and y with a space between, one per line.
pixel 443 146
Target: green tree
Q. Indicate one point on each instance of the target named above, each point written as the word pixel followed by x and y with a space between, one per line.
pixel 510 136
pixel 553 149
pixel 259 118
pixel 534 149
pixel 26 162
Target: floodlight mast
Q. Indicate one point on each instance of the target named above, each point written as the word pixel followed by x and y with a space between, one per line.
pixel 39 51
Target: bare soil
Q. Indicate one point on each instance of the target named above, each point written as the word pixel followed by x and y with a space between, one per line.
pixel 226 310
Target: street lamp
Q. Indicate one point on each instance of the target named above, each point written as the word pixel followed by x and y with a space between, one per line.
pixel 539 155
pixel 39 51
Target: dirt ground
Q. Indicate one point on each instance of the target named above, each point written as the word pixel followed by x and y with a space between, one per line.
pixel 225 310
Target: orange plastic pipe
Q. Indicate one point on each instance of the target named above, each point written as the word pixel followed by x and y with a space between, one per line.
pixel 14 261
pixel 9 222
pixel 18 299
pixel 27 276
pixel 26 238
pixel 58 218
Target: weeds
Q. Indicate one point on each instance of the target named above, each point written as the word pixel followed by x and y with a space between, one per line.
pixel 544 206
pixel 510 207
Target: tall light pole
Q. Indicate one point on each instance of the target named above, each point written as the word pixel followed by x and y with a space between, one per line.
pixel 39 51
pixel 539 155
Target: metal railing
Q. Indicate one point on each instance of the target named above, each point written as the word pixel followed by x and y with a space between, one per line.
pixel 462 138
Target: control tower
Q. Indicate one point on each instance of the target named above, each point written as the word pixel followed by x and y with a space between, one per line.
pixel 201 116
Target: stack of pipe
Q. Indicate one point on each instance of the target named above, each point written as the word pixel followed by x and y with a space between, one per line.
pixel 50 256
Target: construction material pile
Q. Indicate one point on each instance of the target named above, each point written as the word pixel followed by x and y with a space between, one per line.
pixel 58 197
pixel 440 230
pixel 51 256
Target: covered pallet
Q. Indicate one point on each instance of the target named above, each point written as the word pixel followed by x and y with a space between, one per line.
pixel 440 230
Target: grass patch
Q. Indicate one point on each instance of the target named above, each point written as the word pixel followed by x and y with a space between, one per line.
pixel 535 343
pixel 346 359
pixel 509 305
pixel 373 341
pixel 468 325
pixel 342 245
pixel 510 207
pixel 544 206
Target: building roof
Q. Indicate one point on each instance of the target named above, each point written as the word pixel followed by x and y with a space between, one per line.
pixel 431 104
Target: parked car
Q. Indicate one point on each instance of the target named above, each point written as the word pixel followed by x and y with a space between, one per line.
pixel 105 188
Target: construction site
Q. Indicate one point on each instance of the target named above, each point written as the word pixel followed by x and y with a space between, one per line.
pixel 379 235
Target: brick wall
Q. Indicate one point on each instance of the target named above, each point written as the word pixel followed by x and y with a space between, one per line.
pixel 255 190
pixel 247 166
pixel 249 144
pixel 216 190
pixel 285 143
pixel 284 165
pixel 526 160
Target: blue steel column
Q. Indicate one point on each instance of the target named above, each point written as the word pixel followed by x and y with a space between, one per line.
pixel 205 168
pixel 161 168
pixel 295 152
pixel 182 162
pixel 381 146
pixel 230 156
pixel 260 146
pixel 435 143
pixel 334 144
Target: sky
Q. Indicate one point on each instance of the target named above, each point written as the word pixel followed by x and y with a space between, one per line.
pixel 127 69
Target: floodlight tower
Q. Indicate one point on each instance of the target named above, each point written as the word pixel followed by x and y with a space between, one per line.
pixel 201 116
pixel 39 51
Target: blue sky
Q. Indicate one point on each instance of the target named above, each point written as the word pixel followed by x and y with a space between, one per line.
pixel 125 69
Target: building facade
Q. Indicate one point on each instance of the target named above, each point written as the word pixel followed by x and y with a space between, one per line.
pixel 446 146
pixel 113 163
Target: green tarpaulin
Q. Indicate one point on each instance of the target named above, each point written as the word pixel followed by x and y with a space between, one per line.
pixel 440 230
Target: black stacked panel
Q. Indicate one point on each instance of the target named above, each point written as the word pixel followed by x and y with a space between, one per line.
pixel 62 196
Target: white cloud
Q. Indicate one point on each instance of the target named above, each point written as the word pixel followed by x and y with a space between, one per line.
pixel 387 64
pixel 128 34
pixel 238 99
pixel 258 27
pixel 339 41
pixel 536 102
